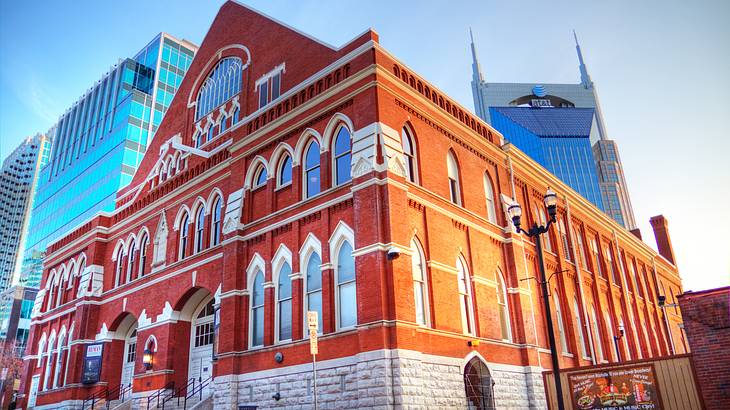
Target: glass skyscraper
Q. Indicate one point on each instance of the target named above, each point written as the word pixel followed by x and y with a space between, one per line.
pixel 491 100
pixel 100 141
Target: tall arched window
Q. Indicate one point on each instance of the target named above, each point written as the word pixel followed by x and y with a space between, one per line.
pixel 257 310
pixel 131 254
pixel 343 156
pixel 453 172
pixel 597 336
pixel 120 267
pixel 59 359
pixel 223 83
pixel 409 155
pixel 223 124
pixel 314 287
pixel 346 287
pixel 504 321
pixel 561 326
pixel 479 385
pixel 579 328
pixel 489 194
pixel 236 115
pixel 284 303
pixel 259 177
pixel 184 236
pixel 567 249
pixel 311 170
pixel 143 254
pixel 199 229
pixel 578 238
pixel 49 362
pixel 467 307
pixel 215 234
pixel 285 171
pixel 420 283
pixel 199 139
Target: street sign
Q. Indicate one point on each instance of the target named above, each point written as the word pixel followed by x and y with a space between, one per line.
pixel 313 320
pixel 313 347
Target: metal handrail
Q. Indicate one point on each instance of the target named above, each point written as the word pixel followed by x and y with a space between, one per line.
pixel 158 394
pixel 195 390
pixel 178 392
pixel 104 392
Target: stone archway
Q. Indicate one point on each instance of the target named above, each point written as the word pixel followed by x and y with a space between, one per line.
pixel 479 385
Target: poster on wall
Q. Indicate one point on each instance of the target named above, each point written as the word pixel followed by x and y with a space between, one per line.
pixel 92 363
pixel 626 388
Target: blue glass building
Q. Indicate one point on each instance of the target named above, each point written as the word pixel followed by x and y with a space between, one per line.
pixel 100 141
pixel 558 138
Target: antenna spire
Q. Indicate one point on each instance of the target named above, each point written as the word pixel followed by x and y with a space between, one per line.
pixel 476 68
pixel 585 79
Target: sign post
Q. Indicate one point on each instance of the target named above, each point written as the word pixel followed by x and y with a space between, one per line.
pixel 313 324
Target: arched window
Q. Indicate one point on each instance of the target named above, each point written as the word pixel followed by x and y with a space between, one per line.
pixel 561 327
pixel 49 362
pixel 453 172
pixel 171 169
pixel 184 236
pixel 346 287
pixel 215 234
pixel 59 294
pixel 59 360
pixel 420 283
pixel 314 288
pixel 199 139
pixel 579 328
pixel 343 156
pixel 489 194
pixel 212 131
pixel 199 229
pixel 257 310
pixel 479 385
pixel 259 178
pixel 567 249
pixel 131 254
pixel 120 267
pixel 285 171
pixel 235 118
pixel 143 254
pixel 409 155
pixel 578 239
pixel 284 303
pixel 223 124
pixel 467 307
pixel 223 83
pixel 597 336
pixel 311 170
pixel 163 172
pixel 504 321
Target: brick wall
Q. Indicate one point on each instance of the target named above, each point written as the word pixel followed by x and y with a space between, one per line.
pixel 707 324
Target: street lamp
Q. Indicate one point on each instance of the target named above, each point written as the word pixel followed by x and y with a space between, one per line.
pixel 515 213
pixel 621 329
pixel 147 358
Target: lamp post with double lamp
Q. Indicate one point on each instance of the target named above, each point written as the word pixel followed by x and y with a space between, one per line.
pixel 515 213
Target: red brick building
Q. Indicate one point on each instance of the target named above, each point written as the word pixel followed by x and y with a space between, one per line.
pixel 290 175
pixel 707 324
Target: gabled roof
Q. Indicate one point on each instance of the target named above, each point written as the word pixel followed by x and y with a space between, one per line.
pixel 551 122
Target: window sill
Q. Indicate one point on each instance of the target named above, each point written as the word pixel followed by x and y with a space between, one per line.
pixel 567 355
pixel 282 187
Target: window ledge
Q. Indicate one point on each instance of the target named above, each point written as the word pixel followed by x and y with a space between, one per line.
pixel 281 187
pixel 567 355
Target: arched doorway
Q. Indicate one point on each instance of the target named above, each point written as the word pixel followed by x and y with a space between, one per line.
pixel 479 385
pixel 130 355
pixel 202 334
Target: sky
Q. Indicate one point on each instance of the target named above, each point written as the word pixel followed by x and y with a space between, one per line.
pixel 661 69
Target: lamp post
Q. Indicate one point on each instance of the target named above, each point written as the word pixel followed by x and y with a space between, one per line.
pixel 515 213
pixel 617 338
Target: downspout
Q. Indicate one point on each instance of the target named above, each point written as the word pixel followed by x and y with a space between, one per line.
pixel 579 273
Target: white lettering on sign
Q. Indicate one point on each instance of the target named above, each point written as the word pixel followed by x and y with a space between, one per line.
pixel 94 350
pixel 540 102
pixel 313 347
pixel 312 320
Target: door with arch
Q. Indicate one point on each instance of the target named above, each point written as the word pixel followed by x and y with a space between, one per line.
pixel 479 386
pixel 202 330
pixel 129 357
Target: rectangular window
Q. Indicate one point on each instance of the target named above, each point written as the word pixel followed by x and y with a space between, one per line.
pixel 275 86
pixel 263 94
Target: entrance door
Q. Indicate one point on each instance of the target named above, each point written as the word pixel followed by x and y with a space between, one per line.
pixel 201 347
pixel 130 356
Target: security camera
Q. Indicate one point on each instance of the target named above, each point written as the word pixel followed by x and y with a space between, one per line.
pixel 276 396
pixel 393 253
pixel 662 300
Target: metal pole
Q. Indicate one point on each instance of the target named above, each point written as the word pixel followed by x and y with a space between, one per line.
pixel 314 378
pixel 549 321
pixel 618 350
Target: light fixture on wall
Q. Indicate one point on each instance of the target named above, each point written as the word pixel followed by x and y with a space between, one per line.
pixel 147 358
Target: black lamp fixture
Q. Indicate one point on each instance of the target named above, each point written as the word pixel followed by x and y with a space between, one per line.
pixel 514 211
pixel 147 358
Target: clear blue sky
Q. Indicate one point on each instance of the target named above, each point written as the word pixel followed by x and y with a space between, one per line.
pixel 661 67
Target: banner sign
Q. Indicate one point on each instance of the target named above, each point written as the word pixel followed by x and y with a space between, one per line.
pixel 92 363
pixel 626 388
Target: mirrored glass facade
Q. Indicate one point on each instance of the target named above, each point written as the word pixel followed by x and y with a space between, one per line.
pixel 100 141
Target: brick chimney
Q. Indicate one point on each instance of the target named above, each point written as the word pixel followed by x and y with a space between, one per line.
pixel 637 233
pixel 663 241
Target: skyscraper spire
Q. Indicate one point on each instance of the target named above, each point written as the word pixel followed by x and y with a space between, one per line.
pixel 476 69
pixel 585 79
